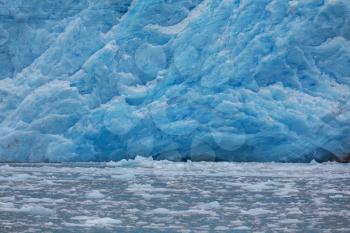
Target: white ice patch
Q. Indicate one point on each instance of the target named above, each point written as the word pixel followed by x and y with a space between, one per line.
pixel 28 209
pixel 89 221
pixel 126 177
pixel 257 211
pixel 17 177
pixel 202 208
pixel 95 194
pixel 35 210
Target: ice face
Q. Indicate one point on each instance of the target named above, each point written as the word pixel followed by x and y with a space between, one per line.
pixel 209 80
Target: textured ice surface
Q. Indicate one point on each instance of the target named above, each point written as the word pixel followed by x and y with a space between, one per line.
pixel 87 80
pixel 163 196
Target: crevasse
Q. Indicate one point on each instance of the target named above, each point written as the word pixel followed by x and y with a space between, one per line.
pixel 216 80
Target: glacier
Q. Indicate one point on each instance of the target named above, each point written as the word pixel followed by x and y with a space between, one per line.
pixel 213 80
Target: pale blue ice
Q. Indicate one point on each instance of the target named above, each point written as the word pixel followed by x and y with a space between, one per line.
pixel 231 80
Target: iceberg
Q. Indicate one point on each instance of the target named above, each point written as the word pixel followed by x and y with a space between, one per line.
pixel 214 80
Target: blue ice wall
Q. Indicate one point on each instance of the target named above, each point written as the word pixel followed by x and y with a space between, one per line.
pixel 235 80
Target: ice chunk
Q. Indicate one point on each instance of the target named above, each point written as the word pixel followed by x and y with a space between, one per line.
pixel 92 221
pixel 35 210
pixel 95 194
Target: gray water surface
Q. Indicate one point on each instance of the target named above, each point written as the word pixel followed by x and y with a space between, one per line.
pixel 159 196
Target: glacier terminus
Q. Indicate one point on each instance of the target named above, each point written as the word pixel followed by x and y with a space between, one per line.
pixel 200 80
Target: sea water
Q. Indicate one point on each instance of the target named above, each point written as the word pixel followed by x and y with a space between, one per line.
pixel 143 195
